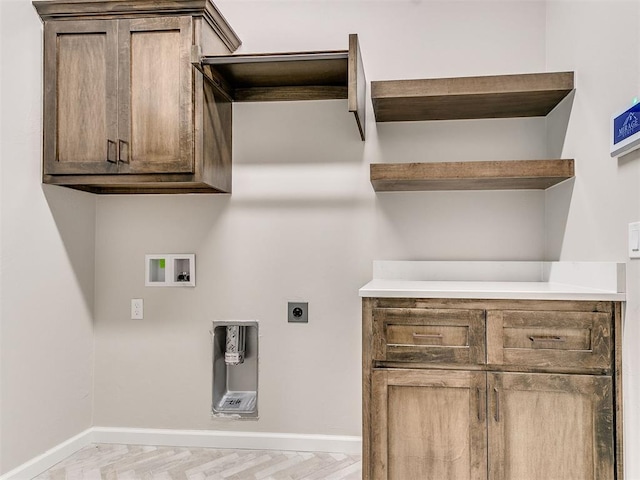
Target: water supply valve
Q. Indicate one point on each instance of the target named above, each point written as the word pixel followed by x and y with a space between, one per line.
pixel 235 345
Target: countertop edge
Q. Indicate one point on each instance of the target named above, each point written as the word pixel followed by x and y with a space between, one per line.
pixel 485 290
pixel 614 297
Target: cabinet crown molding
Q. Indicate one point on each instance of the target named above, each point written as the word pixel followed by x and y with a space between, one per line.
pixel 96 9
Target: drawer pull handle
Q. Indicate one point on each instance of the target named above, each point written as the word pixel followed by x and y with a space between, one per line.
pixel 428 338
pixel 547 338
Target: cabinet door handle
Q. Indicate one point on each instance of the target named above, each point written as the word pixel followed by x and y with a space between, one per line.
pixel 547 338
pixel 496 414
pixel 111 158
pixel 480 405
pixel 122 143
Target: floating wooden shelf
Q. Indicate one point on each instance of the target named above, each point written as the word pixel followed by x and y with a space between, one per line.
pixel 494 175
pixel 281 77
pixel 501 96
pixel 267 77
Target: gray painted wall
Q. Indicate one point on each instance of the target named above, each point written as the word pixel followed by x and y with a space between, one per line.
pixel 591 221
pixel 303 223
pixel 47 243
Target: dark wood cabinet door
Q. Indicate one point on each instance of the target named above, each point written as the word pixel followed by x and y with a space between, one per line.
pixel 80 97
pixel 155 90
pixel 550 426
pixel 428 424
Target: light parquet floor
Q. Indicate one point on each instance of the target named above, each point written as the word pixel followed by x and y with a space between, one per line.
pixel 134 462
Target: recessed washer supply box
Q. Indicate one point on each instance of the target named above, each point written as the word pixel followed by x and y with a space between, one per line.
pixel 170 270
pixel 235 380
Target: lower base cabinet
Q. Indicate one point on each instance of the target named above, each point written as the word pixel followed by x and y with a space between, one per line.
pixel 554 414
pixel 434 424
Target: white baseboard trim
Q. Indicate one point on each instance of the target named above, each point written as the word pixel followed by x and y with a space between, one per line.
pixel 226 439
pixel 48 459
pixel 186 438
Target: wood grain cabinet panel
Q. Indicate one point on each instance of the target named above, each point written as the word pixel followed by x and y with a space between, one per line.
pixel 428 424
pixel 124 109
pixel 429 335
pixel 80 97
pixel 155 91
pixel 122 97
pixel 532 393
pixel 550 339
pixel 553 427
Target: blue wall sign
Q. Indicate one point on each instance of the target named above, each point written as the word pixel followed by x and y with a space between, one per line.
pixel 626 124
pixel 626 131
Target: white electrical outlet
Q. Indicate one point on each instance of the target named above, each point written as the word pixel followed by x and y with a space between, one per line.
pixel 137 309
pixel 634 240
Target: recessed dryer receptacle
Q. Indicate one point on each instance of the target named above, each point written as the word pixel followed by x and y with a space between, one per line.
pixel 298 312
pixel 235 369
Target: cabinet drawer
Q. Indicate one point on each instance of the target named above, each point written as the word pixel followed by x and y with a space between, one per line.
pixel 549 339
pixel 454 336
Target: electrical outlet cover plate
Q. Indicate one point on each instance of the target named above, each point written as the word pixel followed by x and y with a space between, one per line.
pixel 137 309
pixel 634 240
pixel 298 312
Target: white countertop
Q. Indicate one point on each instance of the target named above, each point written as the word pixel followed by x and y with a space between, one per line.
pixel 498 280
pixel 484 290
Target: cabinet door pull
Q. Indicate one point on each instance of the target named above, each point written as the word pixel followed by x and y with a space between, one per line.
pixel 480 405
pixel 496 414
pixel 111 158
pixel 122 143
pixel 427 335
pixel 547 338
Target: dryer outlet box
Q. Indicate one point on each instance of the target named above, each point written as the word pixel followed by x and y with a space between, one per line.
pixel 298 312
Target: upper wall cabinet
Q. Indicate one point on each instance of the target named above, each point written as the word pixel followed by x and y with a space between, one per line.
pixel 124 111
pixel 105 78
pixel 503 96
pixel 290 76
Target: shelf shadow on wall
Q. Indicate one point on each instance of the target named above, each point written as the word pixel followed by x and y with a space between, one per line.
pixel 302 132
pixel 557 125
pixel 626 159
pixel 74 214
pixel 558 197
pixel 557 202
pixel 131 226
pixel 462 225
pixel 308 203
pixel 523 138
pixel 463 140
